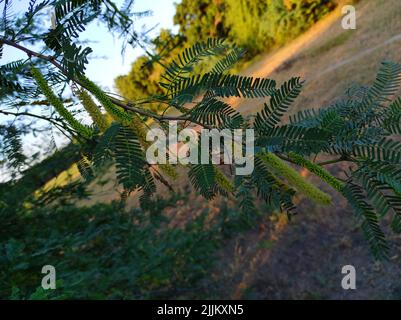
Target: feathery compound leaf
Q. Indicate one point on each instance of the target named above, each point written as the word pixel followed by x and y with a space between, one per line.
pixel 379 193
pixel 370 222
pixel 74 58
pixel 104 150
pixel 222 182
pixel 386 173
pixel 129 158
pixel 280 101
pixel 69 7
pixel 396 223
pixel 70 26
pixel 221 85
pixel 391 119
pixel 9 78
pixel 274 192
pixel 13 66
pixel 183 65
pixel 85 168
pixel 148 189
pixel 293 138
pixel 9 86
pixel 228 61
pixel 203 178
pixel 387 83
pixel 266 183
pixel 246 200
pixel 385 150
pixel 12 146
pixel 217 114
pixel 5 19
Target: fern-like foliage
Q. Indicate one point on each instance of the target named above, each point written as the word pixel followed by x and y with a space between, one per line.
pixel 9 84
pixel 280 102
pixel 220 85
pixel 104 151
pixel 129 159
pixel 370 222
pixel 203 178
pixel 182 67
pixel 216 113
pixel 228 61
pixel 386 84
pixel 11 147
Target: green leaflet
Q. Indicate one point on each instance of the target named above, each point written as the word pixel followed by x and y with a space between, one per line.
pixel 93 110
pixel 181 68
pixel 295 179
pixel 203 178
pixel 318 170
pixel 222 181
pixel 58 105
pixel 370 223
pixel 280 102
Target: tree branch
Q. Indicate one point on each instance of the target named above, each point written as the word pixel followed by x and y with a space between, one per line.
pixel 127 106
pixel 27 114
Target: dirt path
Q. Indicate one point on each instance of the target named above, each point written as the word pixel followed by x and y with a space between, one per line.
pixel 270 62
pixel 356 57
pixel 299 58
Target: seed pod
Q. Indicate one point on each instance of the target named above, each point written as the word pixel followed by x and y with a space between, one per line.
pixel 58 105
pixel 318 170
pixel 137 126
pixel 93 110
pixel 295 179
pixel 121 116
pixel 117 114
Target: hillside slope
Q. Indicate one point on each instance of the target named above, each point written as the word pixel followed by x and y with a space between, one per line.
pixel 303 258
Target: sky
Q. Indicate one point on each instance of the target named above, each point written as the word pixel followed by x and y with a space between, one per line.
pixel 107 62
pixel 162 17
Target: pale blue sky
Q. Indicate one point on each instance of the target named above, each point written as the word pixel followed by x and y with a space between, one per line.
pixel 108 62
pixel 105 71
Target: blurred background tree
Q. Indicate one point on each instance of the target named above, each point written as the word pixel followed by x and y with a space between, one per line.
pixel 257 25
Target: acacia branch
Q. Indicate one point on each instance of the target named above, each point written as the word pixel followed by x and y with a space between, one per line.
pixel 126 106
pixel 17 114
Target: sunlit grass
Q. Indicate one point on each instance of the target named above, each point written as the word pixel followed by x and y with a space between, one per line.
pixel 70 175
